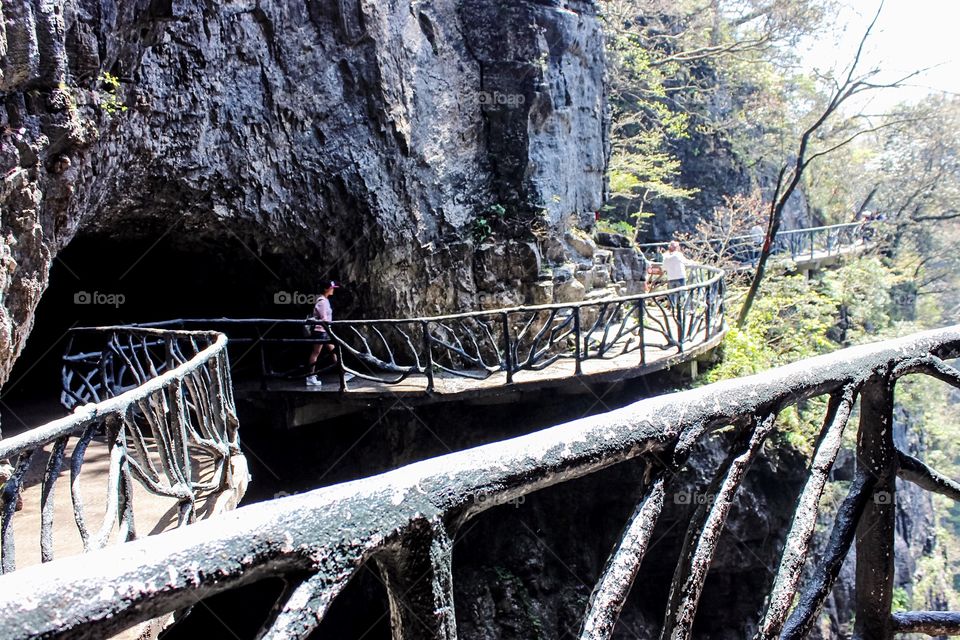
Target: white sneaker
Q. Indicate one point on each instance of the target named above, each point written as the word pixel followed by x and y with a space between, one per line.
pixel 313 381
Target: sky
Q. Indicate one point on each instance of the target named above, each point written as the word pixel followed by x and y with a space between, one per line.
pixel 910 35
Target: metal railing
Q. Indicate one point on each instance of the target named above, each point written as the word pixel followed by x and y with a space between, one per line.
pixel 160 401
pixel 405 521
pixel 814 243
pixel 481 344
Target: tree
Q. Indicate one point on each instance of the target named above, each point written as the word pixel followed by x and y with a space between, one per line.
pixel 724 238
pixel 918 191
pixel 830 139
pixel 664 59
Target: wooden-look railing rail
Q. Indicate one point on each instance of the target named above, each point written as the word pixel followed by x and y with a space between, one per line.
pixel 799 245
pixel 479 344
pixel 162 403
pixel 404 521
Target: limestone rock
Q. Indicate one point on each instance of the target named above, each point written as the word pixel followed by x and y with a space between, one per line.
pixel 564 273
pixel 602 293
pixel 541 293
pixel 605 239
pixel 583 245
pixel 569 291
pixel 600 275
pixel 356 140
pixel 629 265
pixel 585 277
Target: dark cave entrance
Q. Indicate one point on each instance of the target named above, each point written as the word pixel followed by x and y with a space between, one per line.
pixel 104 278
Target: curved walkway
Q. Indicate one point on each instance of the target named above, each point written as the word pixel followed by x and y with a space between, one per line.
pixel 479 353
pixel 496 351
pixel 808 248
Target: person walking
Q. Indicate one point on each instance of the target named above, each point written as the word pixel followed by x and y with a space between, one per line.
pixel 323 311
pixel 757 235
pixel 675 264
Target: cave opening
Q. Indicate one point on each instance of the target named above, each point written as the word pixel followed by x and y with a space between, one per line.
pixel 107 278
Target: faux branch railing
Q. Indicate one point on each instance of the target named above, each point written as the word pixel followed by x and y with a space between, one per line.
pixel 162 401
pixel 799 244
pixel 480 344
pixel 404 521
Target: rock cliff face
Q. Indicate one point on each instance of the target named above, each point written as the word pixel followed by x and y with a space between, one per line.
pixel 359 139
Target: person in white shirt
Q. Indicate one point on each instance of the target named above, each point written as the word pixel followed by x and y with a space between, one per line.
pixel 675 264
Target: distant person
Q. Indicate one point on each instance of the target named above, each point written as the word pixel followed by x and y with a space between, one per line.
pixel 324 312
pixel 866 231
pixel 757 235
pixel 675 264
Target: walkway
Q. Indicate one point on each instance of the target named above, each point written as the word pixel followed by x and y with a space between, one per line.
pixel 810 248
pixel 488 352
pixel 498 352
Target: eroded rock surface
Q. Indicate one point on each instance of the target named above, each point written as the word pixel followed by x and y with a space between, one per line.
pixel 355 138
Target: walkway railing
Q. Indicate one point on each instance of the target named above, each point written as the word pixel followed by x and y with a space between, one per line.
pixel 814 243
pixel 481 344
pixel 405 521
pixel 161 402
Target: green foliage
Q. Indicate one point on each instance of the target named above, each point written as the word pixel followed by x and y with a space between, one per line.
pixel 789 322
pixel 110 99
pixel 861 289
pixel 932 410
pixel 617 226
pixel 901 600
pixel 484 222
pixel 796 318
pixel 645 118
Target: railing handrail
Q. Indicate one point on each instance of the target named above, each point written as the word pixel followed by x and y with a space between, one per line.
pixel 332 531
pixel 717 275
pixel 750 238
pixel 84 414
